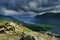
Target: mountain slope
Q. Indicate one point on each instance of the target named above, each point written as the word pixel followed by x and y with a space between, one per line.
pixel 49 15
pixel 15 30
pixel 21 32
pixel 48 18
pixel 34 27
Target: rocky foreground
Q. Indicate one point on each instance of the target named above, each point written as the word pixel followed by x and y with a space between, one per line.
pixel 15 31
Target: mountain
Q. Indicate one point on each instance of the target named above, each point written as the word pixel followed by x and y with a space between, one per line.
pixel 41 25
pixel 34 27
pixel 11 29
pixel 48 18
pixel 48 15
pixel 8 18
pixel 3 17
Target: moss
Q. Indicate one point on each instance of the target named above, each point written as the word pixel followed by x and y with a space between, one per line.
pixel 26 30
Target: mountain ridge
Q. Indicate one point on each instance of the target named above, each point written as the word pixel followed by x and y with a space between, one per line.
pixel 48 15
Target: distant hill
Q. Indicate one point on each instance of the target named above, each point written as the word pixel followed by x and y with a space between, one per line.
pixel 8 18
pixel 34 27
pixel 3 17
pixel 48 18
pixel 48 15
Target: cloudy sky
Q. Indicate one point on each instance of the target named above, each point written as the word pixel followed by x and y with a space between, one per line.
pixel 29 8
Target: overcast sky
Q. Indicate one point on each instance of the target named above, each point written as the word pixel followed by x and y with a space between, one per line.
pixel 34 7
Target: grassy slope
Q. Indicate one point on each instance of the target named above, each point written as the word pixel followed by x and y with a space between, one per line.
pixel 38 27
pixel 14 36
pixel 34 27
pixel 24 27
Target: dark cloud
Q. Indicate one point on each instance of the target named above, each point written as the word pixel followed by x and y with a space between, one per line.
pixel 29 5
pixel 26 10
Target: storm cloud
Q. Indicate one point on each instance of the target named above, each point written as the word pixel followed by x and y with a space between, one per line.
pixel 28 6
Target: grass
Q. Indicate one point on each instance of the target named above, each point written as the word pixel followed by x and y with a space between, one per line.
pixel 27 27
pixel 2 22
pixel 24 27
pixel 38 27
pixel 7 36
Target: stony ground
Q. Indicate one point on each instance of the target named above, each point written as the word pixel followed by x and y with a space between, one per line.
pixel 14 31
pixel 37 36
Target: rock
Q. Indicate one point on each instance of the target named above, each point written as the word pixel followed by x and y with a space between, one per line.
pixel 27 37
pixel 53 38
pixel 10 27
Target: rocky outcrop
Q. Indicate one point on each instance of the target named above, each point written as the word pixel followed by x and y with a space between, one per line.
pixel 26 34
pixel 9 27
pixel 48 36
pixel 45 36
pixel 27 37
